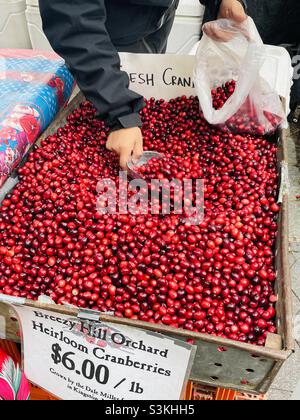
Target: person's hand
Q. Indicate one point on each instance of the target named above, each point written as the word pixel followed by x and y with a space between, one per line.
pixel 229 9
pixel 232 9
pixel 127 143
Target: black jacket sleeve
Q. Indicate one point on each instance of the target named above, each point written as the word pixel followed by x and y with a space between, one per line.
pixel 77 32
pixel 218 2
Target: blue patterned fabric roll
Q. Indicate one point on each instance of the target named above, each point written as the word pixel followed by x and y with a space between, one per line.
pixel 34 86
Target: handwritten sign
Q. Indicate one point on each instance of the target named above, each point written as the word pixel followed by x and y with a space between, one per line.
pixel 166 76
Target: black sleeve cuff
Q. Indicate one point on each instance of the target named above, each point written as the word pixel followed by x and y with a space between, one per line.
pixel 206 2
pixel 126 121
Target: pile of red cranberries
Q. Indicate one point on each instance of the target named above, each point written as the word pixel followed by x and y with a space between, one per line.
pixel 216 278
pixel 221 94
pixel 247 119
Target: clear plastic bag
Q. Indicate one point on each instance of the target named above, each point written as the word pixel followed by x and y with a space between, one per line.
pixel 253 107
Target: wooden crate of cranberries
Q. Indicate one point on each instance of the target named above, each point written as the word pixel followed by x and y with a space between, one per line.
pixel 245 362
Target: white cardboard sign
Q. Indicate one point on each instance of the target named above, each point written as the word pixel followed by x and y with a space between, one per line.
pixel 160 76
pixel 77 359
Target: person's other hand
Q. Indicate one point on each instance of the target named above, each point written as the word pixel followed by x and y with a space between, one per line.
pixel 127 143
pixel 229 9
pixel 232 9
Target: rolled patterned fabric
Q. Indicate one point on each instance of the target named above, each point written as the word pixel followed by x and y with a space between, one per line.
pixel 13 383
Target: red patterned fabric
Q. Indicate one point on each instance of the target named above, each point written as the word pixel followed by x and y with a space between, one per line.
pixel 13 383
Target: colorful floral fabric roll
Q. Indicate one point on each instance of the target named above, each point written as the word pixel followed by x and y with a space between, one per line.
pixel 13 383
pixel 34 86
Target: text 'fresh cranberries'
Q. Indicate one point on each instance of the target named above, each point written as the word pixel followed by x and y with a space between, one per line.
pixel 215 278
